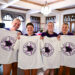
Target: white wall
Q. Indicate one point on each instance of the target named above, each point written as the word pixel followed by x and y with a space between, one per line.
pixel 43 23
pixel 0 16
pixel 27 18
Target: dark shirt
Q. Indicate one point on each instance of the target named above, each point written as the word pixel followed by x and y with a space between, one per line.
pixel 16 30
pixel 7 28
pixel 49 35
pixel 31 35
pixel 66 34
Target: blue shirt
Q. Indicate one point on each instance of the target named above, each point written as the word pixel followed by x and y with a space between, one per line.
pixel 16 30
pixel 66 34
pixel 49 35
pixel 31 35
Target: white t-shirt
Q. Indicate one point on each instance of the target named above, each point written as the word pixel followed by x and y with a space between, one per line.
pixel 7 40
pixel 50 52
pixel 29 56
pixel 68 51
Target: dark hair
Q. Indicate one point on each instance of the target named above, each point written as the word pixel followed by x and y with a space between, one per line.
pixel 29 24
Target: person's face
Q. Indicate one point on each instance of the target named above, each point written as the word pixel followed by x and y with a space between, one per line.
pixel 16 24
pixel 65 28
pixel 30 29
pixel 50 27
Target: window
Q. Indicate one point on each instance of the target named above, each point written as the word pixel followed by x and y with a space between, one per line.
pixel 7 19
pixel 36 22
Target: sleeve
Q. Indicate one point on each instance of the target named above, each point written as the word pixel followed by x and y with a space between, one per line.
pixel 71 34
pixel 60 33
pixel 43 34
pixel 20 32
pixel 55 34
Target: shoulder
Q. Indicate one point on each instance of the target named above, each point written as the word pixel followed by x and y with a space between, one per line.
pixel 44 34
pixel 19 31
pixel 69 33
pixel 31 35
pixel 7 28
pixel 60 33
pixel 26 34
pixel 34 34
pixel 55 34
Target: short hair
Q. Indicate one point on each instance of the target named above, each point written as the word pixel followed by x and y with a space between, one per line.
pixel 16 19
pixel 29 24
pixel 50 22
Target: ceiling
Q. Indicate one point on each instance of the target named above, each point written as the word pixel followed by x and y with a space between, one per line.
pixel 66 8
pixel 41 2
pixel 35 5
pixel 12 7
pixel 0 4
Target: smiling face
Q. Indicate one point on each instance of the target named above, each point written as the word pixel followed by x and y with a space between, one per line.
pixel 50 27
pixel 65 28
pixel 30 29
pixel 16 24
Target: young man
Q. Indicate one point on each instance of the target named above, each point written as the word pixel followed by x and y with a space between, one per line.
pixel 49 33
pixel 64 32
pixel 13 66
pixel 30 32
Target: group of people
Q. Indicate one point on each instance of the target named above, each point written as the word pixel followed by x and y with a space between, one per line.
pixel 30 32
